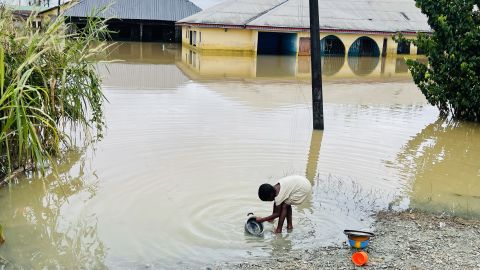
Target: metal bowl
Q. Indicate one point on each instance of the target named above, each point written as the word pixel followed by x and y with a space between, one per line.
pixel 358 239
pixel 252 226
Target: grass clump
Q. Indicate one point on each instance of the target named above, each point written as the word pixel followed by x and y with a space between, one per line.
pixel 49 87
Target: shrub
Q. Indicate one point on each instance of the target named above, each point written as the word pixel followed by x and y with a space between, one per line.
pixel 49 87
pixel 451 78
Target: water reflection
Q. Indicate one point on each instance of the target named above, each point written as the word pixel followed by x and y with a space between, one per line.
pixel 200 65
pixel 142 66
pixel 284 66
pixel 187 147
pixel 313 155
pixel 363 66
pixel 443 163
pixel 145 52
pixel 39 233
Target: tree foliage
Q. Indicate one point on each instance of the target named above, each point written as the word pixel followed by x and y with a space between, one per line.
pixel 451 78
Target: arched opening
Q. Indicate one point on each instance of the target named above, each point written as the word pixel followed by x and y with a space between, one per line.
pixel 364 46
pixel 332 45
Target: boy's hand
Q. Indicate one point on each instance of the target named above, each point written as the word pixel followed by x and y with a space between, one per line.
pixel 259 220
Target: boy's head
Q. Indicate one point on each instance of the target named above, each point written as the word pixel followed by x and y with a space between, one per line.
pixel 266 192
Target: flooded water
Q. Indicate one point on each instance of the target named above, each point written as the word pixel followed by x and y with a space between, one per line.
pixel 191 137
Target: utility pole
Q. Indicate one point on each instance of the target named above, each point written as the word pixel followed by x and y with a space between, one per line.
pixel 317 92
pixel 58 9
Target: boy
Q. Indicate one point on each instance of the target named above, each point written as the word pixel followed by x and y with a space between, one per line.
pixel 290 190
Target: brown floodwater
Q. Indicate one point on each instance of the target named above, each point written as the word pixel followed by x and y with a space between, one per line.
pixel 190 138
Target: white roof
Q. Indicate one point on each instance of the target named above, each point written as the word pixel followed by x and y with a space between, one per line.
pixel 348 15
pixel 233 12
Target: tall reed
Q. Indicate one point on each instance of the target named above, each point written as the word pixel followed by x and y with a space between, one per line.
pixel 49 86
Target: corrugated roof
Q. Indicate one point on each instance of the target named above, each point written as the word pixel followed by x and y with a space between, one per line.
pixel 27 8
pixel 355 15
pixel 233 12
pixel 158 10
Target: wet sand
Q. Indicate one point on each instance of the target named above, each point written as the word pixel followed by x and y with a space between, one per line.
pixel 404 240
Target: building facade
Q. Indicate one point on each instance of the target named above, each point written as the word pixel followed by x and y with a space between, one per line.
pixel 355 28
pixel 136 20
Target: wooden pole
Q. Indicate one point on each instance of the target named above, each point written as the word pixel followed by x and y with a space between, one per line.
pixel 58 9
pixel 317 95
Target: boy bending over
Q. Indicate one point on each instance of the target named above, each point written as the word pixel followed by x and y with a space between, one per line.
pixel 290 190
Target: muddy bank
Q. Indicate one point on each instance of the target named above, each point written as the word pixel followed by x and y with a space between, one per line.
pixel 405 240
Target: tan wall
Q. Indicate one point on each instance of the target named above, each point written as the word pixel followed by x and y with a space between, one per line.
pixel 246 39
pixel 349 39
pixel 222 39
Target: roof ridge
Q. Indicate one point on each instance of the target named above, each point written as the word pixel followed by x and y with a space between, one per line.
pixel 263 13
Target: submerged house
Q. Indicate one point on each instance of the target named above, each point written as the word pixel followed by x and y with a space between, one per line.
pixel 41 13
pixel 357 28
pixel 136 20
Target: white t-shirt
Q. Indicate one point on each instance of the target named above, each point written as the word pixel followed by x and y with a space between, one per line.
pixel 294 189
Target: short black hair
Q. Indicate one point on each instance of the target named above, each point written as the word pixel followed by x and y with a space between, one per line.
pixel 266 192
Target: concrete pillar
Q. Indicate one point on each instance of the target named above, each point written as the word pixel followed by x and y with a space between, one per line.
pixel 348 40
pixel 413 49
pixel 255 40
pixel 391 46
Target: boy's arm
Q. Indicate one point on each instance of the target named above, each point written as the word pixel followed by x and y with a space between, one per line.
pixel 274 215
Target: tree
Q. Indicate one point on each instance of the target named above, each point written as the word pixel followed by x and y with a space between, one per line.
pixel 451 78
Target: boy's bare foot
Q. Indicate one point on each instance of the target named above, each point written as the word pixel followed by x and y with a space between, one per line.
pixel 289 228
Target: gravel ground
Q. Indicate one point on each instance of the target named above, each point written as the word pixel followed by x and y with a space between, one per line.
pixel 404 240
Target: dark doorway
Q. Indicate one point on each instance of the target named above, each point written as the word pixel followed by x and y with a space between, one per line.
pixel 277 43
pixel 364 46
pixel 136 30
pixel 161 33
pixel 122 31
pixel 403 47
pixel 384 48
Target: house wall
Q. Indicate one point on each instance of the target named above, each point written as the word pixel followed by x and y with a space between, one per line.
pixel 348 39
pixel 246 39
pixel 221 39
pixel 53 12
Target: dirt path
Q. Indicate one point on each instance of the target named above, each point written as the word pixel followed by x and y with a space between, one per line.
pixel 406 240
